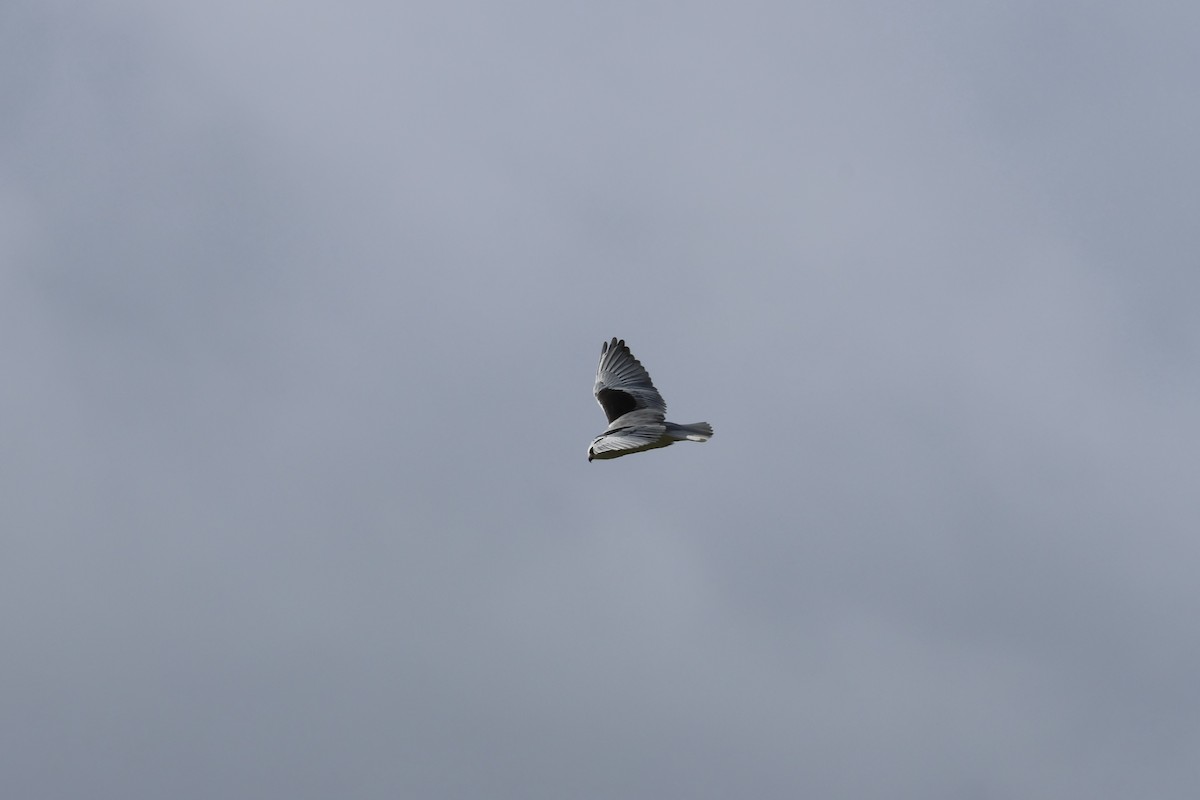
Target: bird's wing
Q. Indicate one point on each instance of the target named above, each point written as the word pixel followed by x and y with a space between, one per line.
pixel 631 437
pixel 622 383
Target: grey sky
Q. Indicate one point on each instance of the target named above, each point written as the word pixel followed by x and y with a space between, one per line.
pixel 301 305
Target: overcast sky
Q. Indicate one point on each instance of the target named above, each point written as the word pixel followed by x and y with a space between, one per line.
pixel 300 310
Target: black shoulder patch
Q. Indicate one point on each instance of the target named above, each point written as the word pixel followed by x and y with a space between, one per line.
pixel 615 402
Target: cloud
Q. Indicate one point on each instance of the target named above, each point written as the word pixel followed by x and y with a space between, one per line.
pixel 303 304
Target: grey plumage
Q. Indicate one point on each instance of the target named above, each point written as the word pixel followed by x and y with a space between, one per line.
pixel 635 410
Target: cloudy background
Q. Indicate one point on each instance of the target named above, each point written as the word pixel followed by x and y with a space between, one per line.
pixel 301 304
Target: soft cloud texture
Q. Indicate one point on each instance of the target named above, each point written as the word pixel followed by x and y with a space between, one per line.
pixel 302 304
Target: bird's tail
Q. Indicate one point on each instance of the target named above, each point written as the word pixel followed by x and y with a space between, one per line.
pixel 696 432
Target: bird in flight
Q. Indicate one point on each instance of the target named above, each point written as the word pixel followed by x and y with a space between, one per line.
pixel 636 411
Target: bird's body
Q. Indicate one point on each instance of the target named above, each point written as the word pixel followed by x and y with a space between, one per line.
pixel 636 411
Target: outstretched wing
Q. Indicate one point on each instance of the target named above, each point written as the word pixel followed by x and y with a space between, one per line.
pixel 623 385
pixel 625 439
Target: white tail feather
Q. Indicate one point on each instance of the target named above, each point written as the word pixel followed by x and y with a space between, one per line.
pixel 696 432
